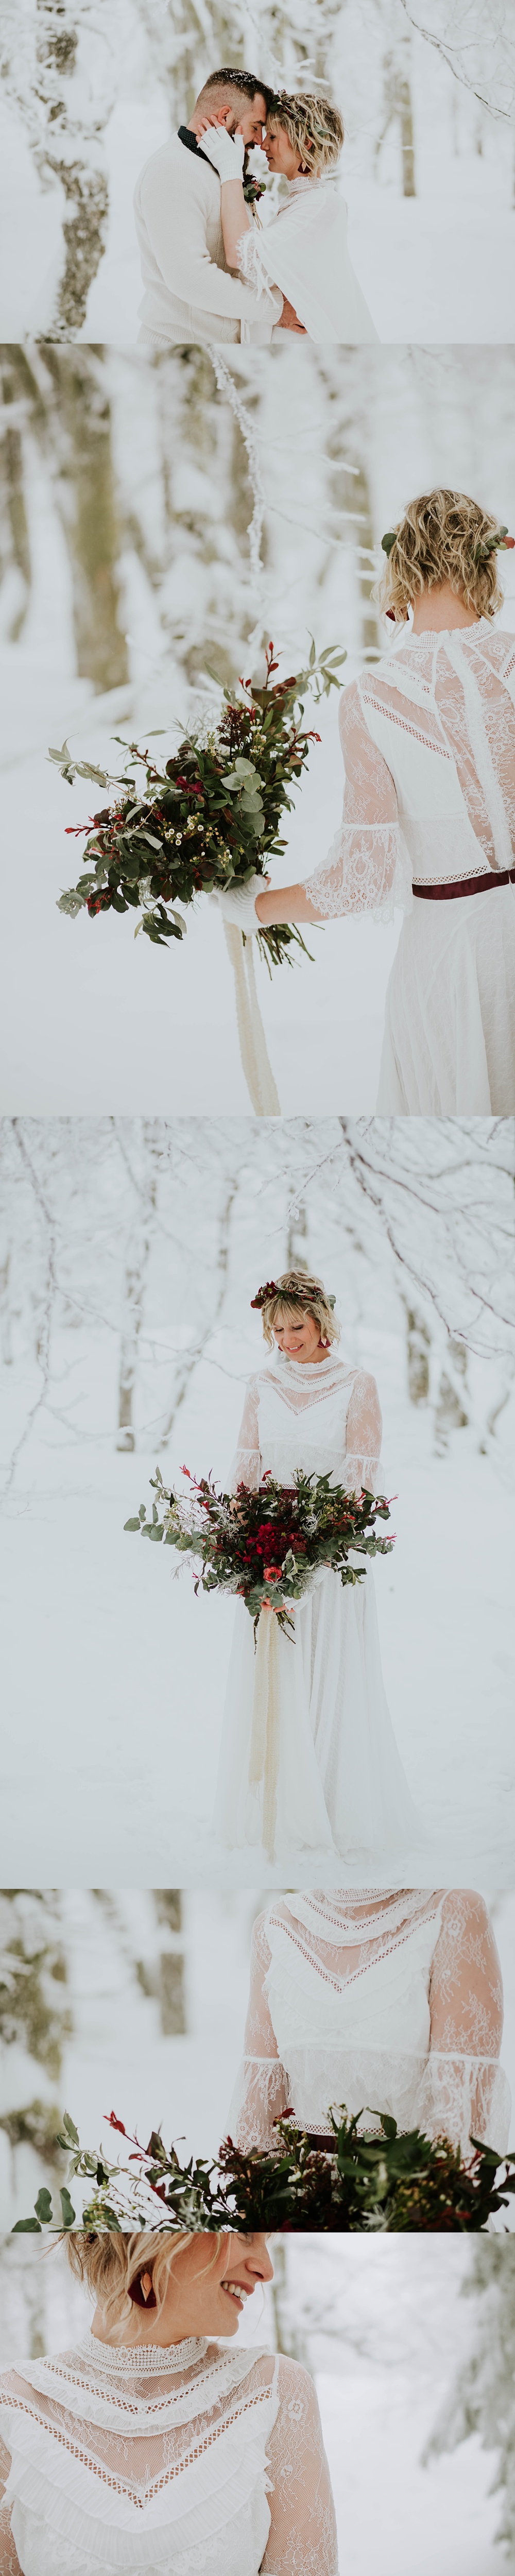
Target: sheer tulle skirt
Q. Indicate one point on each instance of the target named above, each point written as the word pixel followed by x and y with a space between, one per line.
pixel 449 1041
pixel 341 1786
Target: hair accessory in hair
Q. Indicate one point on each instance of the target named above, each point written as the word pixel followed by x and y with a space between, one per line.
pixel 292 1296
pixel 270 1290
pixel 503 542
pixel 389 540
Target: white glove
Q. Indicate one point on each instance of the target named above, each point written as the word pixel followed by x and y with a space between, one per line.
pixel 226 151
pixel 238 904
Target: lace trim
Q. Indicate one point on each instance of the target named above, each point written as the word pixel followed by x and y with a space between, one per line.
pixel 328 1976
pixel 143 2359
pixel 141 2496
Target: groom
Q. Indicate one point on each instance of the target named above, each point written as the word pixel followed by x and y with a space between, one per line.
pixel 190 294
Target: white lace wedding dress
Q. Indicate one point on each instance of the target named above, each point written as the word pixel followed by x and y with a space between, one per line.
pixel 192 2460
pixel 385 2001
pixel 428 739
pixel 340 1783
pixel 303 250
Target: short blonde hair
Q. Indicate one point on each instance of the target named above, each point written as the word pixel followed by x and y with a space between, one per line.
pixel 309 1296
pixel 443 536
pixel 110 2262
pixel 314 128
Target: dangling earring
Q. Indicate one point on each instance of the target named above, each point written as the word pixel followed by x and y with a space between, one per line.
pixel 142 2298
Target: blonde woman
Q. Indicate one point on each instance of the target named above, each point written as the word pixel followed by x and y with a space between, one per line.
pixel 385 1999
pixel 428 740
pixel 151 2447
pixel 329 1777
pixel 302 247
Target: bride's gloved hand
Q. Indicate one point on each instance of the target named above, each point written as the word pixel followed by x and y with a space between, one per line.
pixel 226 151
pixel 238 904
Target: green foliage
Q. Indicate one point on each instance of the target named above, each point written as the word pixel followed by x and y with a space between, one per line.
pixel 365 2182
pixel 210 819
pixel 265 1545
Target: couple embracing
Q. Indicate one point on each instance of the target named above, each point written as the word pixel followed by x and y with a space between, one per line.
pixel 213 270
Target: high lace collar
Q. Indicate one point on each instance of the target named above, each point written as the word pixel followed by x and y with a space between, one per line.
pixel 299 187
pixel 309 1370
pixel 143 2360
pixel 440 634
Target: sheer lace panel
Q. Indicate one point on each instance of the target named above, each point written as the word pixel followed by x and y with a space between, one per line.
pixel 238 2456
pixel 423 2045
pixel 367 867
pixel 246 1464
pixel 302 2540
pixel 449 815
pixel 342 1437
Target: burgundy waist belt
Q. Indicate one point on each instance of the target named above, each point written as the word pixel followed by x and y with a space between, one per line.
pixel 466 885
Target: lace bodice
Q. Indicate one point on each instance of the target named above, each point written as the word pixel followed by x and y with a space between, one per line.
pixel 197 2461
pixel 398 2009
pixel 428 740
pixel 322 1417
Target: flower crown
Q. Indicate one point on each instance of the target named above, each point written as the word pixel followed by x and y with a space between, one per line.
pixel 481 553
pixel 292 1296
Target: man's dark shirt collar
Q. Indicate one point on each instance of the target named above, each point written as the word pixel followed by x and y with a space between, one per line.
pixel 186 135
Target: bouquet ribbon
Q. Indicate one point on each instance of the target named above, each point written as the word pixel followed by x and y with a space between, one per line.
pixel 264 1740
pixel 257 1069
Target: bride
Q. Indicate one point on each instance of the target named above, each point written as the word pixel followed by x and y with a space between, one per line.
pixel 336 1783
pixel 428 739
pixel 302 249
pixel 151 2447
pixel 384 1999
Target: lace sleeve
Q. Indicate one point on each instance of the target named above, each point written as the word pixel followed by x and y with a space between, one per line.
pixel 367 868
pixel 302 2539
pixel 363 1436
pixel 9 2560
pixel 464 2091
pixel 246 1464
pixel 260 2092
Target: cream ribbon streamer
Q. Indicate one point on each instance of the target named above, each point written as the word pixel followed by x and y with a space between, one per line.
pixel 264 1741
pixel 257 1070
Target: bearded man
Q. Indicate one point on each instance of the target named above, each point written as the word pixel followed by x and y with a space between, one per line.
pixel 189 293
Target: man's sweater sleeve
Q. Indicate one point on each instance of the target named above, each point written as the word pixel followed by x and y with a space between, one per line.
pixel 175 221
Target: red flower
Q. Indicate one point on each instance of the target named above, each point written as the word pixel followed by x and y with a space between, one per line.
pixel 113 2123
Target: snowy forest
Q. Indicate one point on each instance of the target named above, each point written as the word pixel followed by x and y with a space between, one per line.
pixel 426 88
pixel 131 1250
pixel 412 2348
pixel 156 527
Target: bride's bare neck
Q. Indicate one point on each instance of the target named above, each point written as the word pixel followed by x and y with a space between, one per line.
pixel 439 609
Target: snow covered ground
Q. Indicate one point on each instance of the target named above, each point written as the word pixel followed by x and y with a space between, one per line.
pixel 114 1670
pixel 115 1679
pixel 437 265
pixel 384 2328
pixel 92 1021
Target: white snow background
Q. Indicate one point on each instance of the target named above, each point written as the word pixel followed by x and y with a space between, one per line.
pixel 151 454
pixel 438 263
pixel 132 1250
pixel 384 2328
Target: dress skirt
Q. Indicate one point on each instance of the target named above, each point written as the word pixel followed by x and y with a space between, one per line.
pixel 449 1039
pixel 340 1782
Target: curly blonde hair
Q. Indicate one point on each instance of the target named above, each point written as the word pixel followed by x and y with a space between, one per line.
pixel 443 536
pixel 314 128
pixel 110 2262
pixel 309 1296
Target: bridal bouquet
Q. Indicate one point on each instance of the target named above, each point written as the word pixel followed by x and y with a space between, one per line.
pixel 209 819
pixel 267 1545
pixel 386 2183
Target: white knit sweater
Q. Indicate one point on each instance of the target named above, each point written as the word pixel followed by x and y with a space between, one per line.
pixel 189 292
